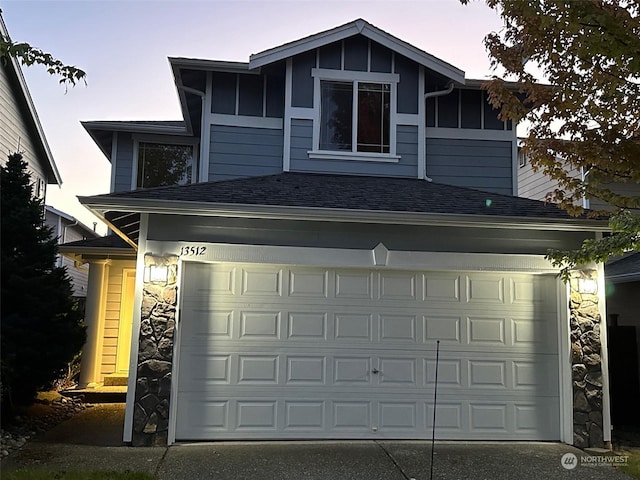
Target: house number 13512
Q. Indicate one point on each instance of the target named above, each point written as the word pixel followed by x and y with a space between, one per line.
pixel 192 251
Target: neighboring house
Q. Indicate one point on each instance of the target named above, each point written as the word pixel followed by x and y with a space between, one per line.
pixel 20 129
pixel 289 255
pixel 68 229
pixel 623 288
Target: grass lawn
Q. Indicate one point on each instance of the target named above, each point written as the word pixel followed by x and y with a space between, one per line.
pixel 41 474
pixel 633 464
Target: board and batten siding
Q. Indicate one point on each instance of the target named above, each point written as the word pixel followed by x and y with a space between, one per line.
pixel 480 164
pixel 123 163
pixel 112 316
pixel 15 128
pixel 406 148
pixel 244 152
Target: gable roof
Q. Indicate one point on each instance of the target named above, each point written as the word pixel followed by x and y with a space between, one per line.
pixel 350 29
pixel 328 197
pixel 53 175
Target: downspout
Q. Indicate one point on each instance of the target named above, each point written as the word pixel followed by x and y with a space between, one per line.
pixel 428 95
pixel 64 236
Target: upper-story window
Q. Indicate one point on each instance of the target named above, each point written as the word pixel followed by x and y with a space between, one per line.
pixel 355 115
pixel 164 164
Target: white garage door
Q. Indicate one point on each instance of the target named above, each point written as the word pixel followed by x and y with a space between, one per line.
pixel 280 352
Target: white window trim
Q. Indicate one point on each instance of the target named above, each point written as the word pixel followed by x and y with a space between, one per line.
pixel 159 139
pixel 392 79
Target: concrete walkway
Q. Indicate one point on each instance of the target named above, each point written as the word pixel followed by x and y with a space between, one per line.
pixel 92 441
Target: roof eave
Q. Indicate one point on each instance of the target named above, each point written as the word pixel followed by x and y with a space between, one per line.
pixel 90 126
pixel 99 205
pixel 353 28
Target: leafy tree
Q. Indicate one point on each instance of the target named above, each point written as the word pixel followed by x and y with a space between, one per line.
pixel 29 55
pixel 41 330
pixel 588 114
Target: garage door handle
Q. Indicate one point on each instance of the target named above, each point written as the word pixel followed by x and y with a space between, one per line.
pixel 375 370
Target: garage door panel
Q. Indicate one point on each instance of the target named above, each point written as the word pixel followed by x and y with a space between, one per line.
pixel 301 352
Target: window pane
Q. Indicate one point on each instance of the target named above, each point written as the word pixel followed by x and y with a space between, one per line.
pixel 373 117
pixel 336 115
pixel 160 165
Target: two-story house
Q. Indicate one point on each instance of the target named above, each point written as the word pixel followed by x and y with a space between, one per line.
pixel 291 254
pixel 20 128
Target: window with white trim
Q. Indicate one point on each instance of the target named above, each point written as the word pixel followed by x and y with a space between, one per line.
pixel 164 164
pixel 355 116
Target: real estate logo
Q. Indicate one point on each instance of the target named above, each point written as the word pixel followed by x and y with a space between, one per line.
pixel 569 461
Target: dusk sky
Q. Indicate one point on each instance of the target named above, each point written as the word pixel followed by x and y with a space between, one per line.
pixel 123 46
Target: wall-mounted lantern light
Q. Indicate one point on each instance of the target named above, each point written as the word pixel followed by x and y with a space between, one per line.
pixel 587 285
pixel 156 273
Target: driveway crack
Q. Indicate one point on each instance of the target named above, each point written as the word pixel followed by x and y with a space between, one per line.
pixel 388 454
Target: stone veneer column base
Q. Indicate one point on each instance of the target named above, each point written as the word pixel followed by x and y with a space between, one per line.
pixel 586 363
pixel 155 354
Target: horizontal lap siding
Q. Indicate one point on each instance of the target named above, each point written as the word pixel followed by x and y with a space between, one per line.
pixel 479 164
pixel 14 129
pixel 112 317
pixel 244 152
pixel 406 144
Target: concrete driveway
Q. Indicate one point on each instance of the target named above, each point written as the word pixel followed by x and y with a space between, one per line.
pixel 92 440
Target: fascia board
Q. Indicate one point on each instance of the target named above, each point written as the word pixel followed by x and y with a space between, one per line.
pixel 89 126
pixel 99 205
pixel 415 54
pixel 359 26
pixel 209 65
pixel 182 97
pixel 96 251
pixel 290 49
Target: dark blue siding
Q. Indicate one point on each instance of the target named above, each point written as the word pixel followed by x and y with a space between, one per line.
pixel 408 86
pixel 480 164
pixel 407 147
pixel 243 152
pixel 470 105
pixel 380 58
pixel 123 162
pixel 275 96
pixel 301 140
pixel 491 120
pixel 251 89
pixel 331 56
pixel 302 91
pixel 448 110
pixel 356 53
pixel 224 93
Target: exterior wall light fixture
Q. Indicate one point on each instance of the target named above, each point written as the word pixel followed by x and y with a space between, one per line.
pixel 587 285
pixel 156 273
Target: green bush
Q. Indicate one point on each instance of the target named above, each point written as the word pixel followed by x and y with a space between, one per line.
pixel 41 328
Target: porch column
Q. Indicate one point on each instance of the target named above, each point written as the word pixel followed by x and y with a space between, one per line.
pixel 586 360
pixel 155 351
pixel 94 319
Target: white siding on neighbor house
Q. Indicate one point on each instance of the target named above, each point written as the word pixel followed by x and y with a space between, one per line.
pixel 79 276
pixel 112 316
pixel 15 128
pixel 536 185
pixel 625 189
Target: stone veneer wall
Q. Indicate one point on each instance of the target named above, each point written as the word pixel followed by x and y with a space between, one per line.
pixel 155 355
pixel 586 364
